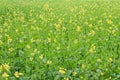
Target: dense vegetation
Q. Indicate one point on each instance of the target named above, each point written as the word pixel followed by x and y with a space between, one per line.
pixel 59 40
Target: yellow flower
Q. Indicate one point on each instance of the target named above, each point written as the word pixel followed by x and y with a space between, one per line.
pixel 32 40
pixel 81 77
pixel 17 74
pixel 90 25
pixel 49 62
pixel 41 56
pixel 78 28
pixel 66 79
pixel 102 73
pixel 57 26
pixel 98 60
pixel 74 73
pixel 110 60
pixel 91 33
pixel 92 49
pixel 62 70
pixel 35 50
pixel 9 40
pixel 16 30
pixel 31 58
pixel 113 31
pixel 49 40
pixel 109 21
pixel 5 75
pixel 28 46
pixel 41 17
pixel 83 66
pixel 11 49
pixel 6 67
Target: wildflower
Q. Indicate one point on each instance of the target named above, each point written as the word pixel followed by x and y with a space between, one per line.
pixel 109 21
pixel 92 49
pixel 5 75
pixel 6 67
pixel 41 56
pixel 49 40
pixel 28 46
pixel 68 47
pixel 62 70
pixel 16 30
pixel 66 79
pixel 31 58
pixel 110 60
pixel 10 49
pixel 113 31
pixel 49 62
pixel 92 33
pixel 41 17
pixel 90 25
pixel 98 60
pixel 57 26
pixel 35 50
pixel 83 66
pixel 91 19
pixel 17 74
pixel 78 28
pixel 9 40
pixel 32 40
pixel 81 77
pixel 74 73
pixel 102 73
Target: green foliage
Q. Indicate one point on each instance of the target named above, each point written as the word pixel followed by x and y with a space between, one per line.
pixel 59 40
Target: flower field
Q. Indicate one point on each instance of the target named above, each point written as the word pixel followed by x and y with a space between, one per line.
pixel 59 40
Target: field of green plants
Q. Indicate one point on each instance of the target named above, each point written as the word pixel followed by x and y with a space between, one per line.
pixel 59 39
